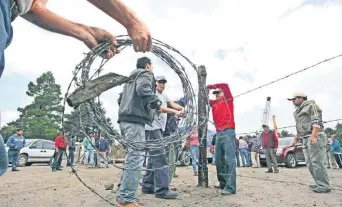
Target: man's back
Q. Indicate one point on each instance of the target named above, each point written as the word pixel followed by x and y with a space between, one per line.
pixel 136 96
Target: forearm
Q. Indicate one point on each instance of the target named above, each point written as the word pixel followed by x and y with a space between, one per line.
pixel 176 106
pixel 45 19
pixel 117 10
pixel 315 131
pixel 164 109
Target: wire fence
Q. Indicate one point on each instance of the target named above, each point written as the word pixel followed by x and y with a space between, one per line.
pixel 84 73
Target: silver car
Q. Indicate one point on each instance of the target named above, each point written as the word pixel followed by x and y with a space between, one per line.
pixel 36 151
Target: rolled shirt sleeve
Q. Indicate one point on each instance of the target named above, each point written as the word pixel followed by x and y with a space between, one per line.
pixel 316 116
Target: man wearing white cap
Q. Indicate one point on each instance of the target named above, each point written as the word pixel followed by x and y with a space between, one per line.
pixel 310 129
pixel 156 179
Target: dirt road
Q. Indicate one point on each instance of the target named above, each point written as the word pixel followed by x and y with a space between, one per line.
pixel 38 186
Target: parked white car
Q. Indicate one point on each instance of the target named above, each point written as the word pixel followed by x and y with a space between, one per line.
pixel 36 151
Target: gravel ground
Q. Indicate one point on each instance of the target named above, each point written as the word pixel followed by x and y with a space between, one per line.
pixel 38 186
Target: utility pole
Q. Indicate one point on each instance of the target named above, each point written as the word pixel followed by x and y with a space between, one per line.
pixel 202 126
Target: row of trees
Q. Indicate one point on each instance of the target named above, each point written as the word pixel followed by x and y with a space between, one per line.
pixel 42 118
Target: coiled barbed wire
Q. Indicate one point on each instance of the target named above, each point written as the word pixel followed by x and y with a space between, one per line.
pixel 84 73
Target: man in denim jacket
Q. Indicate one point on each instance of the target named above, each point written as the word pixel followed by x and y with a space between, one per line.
pixel 15 143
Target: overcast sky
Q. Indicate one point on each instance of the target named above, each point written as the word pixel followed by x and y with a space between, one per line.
pixel 243 43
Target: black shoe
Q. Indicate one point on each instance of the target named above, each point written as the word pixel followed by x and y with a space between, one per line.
pixel 60 169
pixel 269 171
pixel 15 170
pixel 168 195
pixel 147 191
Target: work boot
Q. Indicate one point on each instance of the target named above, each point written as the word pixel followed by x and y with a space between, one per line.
pixel 321 190
pixel 15 170
pixel 276 170
pixel 168 195
pixel 128 205
pixel 269 171
pixel 312 186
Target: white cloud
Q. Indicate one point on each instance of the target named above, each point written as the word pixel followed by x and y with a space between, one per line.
pixel 7 116
pixel 272 48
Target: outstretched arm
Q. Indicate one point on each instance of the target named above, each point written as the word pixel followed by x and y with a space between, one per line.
pixel 45 19
pixel 91 36
pixel 137 30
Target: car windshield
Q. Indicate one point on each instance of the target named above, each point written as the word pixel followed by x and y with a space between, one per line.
pixel 28 142
pixel 287 141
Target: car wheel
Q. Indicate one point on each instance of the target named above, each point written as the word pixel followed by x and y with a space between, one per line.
pixel 185 158
pixel 291 161
pixel 22 160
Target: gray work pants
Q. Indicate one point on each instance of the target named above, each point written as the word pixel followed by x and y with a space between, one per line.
pixel 271 158
pixel 316 158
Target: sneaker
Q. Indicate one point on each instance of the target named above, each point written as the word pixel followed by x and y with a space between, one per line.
pixel 195 173
pixel 276 170
pixel 269 171
pixel 168 195
pixel 226 193
pixel 59 169
pixel 129 205
pixel 321 190
pixel 54 170
pixel 15 170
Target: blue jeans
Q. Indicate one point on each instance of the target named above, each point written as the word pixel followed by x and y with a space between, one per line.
pixel 3 157
pixel 244 157
pixel 237 157
pixel 156 180
pixel 6 31
pixel 133 132
pixel 89 157
pixel 249 158
pixel 194 157
pixel 214 158
pixel 71 157
pixel 225 147
pixel 13 156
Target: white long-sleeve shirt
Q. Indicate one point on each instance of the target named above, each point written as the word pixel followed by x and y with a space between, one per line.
pixel 243 144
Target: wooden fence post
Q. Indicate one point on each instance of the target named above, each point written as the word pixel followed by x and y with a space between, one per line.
pixel 202 126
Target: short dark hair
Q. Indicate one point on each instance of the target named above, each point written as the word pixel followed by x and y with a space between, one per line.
pixel 143 61
pixel 241 137
pixel 19 129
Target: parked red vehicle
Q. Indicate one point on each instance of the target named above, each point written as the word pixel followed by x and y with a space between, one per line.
pixel 287 153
